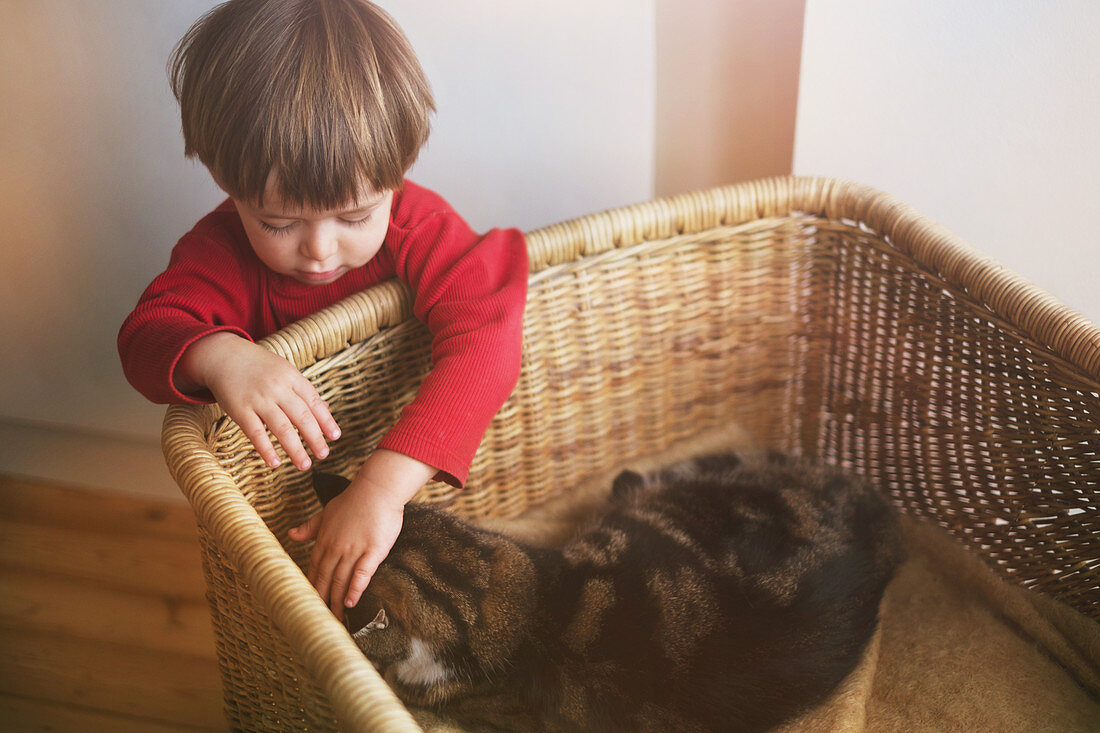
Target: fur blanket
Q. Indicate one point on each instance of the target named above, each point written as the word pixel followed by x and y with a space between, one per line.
pixel 957 649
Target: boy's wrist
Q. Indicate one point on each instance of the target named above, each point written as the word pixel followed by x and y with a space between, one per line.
pixel 194 365
pixel 391 476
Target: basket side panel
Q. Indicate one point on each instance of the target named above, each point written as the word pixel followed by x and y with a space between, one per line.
pixel 632 349
pixel 963 417
pixel 265 688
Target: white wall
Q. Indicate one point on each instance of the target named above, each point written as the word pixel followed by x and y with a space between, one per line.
pixel 546 110
pixel 984 115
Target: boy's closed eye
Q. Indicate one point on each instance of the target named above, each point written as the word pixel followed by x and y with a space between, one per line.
pixel 273 229
pixel 284 228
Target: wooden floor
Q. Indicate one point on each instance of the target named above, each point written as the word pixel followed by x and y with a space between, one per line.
pixel 103 619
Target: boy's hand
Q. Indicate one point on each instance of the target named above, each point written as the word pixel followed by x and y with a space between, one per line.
pixel 258 388
pixel 357 529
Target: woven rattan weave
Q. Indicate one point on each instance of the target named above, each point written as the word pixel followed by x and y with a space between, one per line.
pixel 824 317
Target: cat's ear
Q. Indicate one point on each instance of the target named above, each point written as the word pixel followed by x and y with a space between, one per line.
pixel 328 486
pixel 627 483
pixel 379 623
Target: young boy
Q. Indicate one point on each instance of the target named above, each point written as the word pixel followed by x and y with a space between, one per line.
pixel 308 113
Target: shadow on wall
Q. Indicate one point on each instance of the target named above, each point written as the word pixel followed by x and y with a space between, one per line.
pixel 727 90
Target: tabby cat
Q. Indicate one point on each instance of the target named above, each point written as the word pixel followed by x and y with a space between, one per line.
pixel 713 595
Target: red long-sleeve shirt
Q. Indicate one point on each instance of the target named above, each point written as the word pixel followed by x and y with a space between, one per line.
pixel 469 289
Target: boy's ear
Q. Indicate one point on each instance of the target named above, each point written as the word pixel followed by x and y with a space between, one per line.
pixel 328 486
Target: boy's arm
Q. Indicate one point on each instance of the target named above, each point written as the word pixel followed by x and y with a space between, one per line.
pixel 203 291
pixel 188 341
pixel 470 290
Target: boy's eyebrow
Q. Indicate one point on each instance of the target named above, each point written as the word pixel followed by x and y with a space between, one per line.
pixel 373 204
pixel 361 209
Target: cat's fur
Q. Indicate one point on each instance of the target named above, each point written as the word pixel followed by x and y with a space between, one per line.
pixel 711 595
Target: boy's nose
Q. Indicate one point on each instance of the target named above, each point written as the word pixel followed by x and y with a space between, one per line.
pixel 319 245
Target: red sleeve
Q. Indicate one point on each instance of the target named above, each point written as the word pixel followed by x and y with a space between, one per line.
pixel 470 290
pixel 204 290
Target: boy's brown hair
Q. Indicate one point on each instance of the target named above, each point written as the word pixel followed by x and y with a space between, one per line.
pixel 326 94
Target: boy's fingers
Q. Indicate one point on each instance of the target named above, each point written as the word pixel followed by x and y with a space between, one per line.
pixel 360 579
pixel 307 530
pixel 329 424
pixel 253 429
pixel 320 411
pixel 283 429
pixel 339 585
pixel 308 428
pixel 321 572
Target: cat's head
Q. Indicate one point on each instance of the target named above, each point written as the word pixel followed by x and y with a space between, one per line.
pixel 447 608
pixel 407 638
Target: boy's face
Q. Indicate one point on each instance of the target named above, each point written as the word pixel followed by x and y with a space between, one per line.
pixel 316 247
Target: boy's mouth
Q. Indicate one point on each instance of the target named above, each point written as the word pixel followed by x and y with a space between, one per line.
pixel 320 277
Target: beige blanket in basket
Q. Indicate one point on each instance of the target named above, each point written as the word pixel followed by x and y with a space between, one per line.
pixel 957 649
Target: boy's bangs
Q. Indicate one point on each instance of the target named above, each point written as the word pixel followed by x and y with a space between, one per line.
pixel 322 162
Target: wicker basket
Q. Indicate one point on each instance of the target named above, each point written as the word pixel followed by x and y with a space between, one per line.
pixel 825 317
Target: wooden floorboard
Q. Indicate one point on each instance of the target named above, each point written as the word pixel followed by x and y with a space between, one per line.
pixel 39 502
pixel 123 680
pixel 103 619
pixel 59 605
pixel 21 714
pixel 164 566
